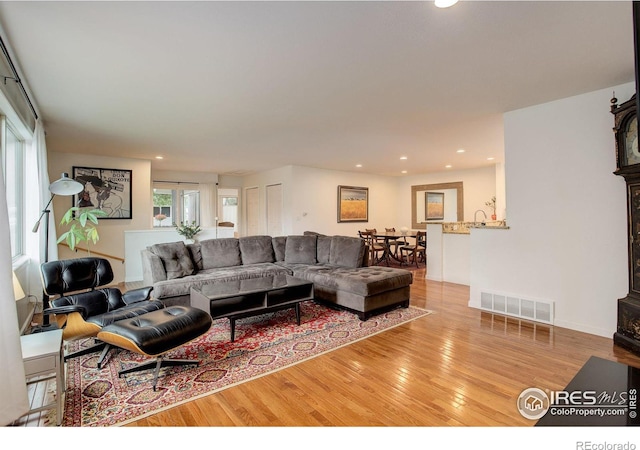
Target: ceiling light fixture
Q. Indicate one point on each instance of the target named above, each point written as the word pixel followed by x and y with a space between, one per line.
pixel 445 3
pixel 490 158
pixel 404 171
pixel 448 166
pixel 461 150
pixel 403 158
pixel 358 165
pixel 159 157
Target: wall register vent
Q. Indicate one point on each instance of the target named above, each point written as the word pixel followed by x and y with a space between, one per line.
pixel 510 305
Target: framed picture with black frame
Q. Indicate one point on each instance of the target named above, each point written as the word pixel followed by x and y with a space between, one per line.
pixel 108 190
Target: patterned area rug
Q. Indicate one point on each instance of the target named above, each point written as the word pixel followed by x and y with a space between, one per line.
pixel 263 345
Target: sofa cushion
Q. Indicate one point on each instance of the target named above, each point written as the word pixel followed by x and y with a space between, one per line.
pixel 323 249
pixel 279 244
pixel 256 249
pixel 181 287
pixel 346 251
pixel 175 258
pixel 300 250
pixel 364 281
pixel 216 253
pixel 196 256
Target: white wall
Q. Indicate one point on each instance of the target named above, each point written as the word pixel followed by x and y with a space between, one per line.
pixel 261 180
pixel 310 199
pixel 479 185
pixel 566 212
pixel 315 201
pixel 111 231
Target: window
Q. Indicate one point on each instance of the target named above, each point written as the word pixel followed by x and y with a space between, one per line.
pixel 13 167
pixel 174 204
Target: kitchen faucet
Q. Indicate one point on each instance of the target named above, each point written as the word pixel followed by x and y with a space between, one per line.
pixel 475 216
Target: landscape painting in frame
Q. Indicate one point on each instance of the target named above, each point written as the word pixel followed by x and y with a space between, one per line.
pixel 353 204
pixel 434 205
pixel 108 190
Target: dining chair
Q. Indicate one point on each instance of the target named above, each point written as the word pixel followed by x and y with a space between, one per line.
pixel 375 247
pixel 417 251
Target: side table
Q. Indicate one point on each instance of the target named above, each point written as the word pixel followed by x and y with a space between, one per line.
pixel 43 356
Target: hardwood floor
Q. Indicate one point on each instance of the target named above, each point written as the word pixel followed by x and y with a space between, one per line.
pixel 457 367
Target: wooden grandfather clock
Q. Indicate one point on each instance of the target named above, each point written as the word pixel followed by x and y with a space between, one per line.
pixel 628 166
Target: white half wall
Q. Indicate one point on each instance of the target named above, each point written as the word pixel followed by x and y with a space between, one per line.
pixel 566 213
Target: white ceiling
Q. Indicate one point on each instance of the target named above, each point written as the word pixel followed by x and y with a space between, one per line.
pixel 235 87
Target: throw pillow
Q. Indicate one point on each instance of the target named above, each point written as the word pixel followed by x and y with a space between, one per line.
pixel 175 258
pixel 300 250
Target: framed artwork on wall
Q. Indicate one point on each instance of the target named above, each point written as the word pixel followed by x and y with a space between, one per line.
pixel 434 205
pixel 108 190
pixel 353 204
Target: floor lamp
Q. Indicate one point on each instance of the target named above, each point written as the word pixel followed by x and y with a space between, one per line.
pixel 64 186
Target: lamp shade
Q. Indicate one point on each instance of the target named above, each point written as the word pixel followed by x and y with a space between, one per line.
pixel 65 186
pixel 18 292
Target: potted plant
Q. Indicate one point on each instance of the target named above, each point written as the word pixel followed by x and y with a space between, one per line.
pixel 188 230
pixel 492 204
pixel 83 226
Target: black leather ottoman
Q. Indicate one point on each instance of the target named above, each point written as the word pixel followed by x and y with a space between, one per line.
pixel 156 333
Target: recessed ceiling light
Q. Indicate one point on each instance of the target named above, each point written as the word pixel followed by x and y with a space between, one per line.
pixel 404 171
pixel 159 157
pixel 460 150
pixel 445 3
pixel 490 158
pixel 448 166
pixel 404 158
pixel 358 165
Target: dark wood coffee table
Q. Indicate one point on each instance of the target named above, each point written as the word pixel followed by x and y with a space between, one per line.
pixel 251 297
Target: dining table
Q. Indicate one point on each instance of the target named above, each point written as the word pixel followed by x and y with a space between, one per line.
pixel 388 236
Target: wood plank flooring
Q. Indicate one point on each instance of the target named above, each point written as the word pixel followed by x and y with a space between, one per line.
pixel 457 367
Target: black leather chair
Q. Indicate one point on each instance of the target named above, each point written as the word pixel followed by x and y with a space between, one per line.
pixel 157 333
pixel 82 308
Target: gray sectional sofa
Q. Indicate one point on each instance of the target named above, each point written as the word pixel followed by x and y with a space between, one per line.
pixel 337 266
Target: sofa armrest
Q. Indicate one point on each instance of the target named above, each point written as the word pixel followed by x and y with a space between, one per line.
pixel 152 268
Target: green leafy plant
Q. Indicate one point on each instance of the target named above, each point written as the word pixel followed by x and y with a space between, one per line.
pixel 83 226
pixel 188 229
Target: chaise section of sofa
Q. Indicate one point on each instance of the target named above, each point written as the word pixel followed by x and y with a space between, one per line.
pixel 341 278
pixel 335 264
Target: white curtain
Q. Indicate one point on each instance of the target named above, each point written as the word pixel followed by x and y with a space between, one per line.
pixel 13 389
pixel 207 205
pixel 40 146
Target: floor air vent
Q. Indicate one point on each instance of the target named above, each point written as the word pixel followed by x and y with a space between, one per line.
pixel 537 310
